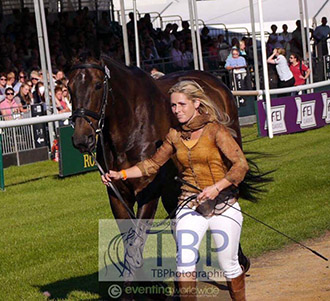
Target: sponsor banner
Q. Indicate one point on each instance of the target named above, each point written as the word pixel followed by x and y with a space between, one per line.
pixel 296 113
pixel 148 252
pixel 71 160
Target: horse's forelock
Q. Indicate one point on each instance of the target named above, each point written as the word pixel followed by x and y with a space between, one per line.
pixel 85 58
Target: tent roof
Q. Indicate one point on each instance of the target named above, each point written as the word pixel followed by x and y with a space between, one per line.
pixel 233 12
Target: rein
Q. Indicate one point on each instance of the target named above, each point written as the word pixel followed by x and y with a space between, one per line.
pixel 84 113
pixel 259 221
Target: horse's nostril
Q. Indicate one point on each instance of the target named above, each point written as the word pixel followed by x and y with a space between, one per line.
pixel 90 139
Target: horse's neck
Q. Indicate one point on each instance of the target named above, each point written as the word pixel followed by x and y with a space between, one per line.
pixel 121 113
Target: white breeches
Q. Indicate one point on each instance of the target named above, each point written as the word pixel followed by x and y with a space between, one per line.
pixel 225 229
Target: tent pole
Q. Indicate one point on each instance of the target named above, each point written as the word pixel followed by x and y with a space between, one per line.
pixel 49 63
pixel 43 65
pixel 112 14
pixel 193 34
pixel 137 46
pixel 308 34
pixel 302 28
pixel 265 70
pixel 199 46
pixel 124 28
pixel 255 49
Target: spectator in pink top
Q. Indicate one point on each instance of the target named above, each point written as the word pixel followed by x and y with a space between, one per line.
pixel 9 108
pixel 61 105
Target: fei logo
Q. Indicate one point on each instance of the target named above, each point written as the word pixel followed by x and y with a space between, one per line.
pixel 326 107
pixel 305 113
pixel 278 119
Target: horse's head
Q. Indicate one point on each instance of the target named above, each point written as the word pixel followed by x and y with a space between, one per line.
pixel 88 84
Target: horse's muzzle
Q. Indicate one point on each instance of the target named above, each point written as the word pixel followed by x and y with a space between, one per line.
pixel 84 143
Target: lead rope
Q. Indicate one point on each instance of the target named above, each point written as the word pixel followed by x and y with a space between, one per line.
pixel 113 187
pixel 259 221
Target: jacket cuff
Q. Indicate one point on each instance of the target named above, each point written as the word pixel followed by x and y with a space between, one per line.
pixel 140 166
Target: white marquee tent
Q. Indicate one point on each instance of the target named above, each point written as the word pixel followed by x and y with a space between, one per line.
pixel 234 12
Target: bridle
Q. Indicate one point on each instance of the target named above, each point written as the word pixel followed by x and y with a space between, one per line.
pixel 84 113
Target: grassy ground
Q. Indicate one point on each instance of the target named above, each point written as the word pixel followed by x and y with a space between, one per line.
pixel 49 226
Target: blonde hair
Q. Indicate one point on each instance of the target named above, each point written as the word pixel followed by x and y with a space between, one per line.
pixel 195 92
pixel 10 75
pixel 281 51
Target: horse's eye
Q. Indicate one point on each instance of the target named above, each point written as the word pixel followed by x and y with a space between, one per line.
pixel 98 86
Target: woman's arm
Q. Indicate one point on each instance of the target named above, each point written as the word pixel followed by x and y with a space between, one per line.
pixel 236 173
pixel 147 167
pixel 271 59
pixel 307 73
pixel 132 172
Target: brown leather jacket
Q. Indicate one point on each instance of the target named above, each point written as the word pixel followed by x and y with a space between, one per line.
pixel 204 164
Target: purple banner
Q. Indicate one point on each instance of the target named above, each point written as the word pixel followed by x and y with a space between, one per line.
pixel 296 113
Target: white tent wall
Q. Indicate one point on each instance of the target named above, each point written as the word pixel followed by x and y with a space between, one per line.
pixel 234 13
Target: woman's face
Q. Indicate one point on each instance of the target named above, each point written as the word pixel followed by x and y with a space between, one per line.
pixel 292 59
pixel 58 95
pixel 65 92
pixel 26 90
pixel 183 108
pixel 10 94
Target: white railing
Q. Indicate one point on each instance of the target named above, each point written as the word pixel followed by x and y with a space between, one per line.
pixel 284 90
pixel 34 120
pixel 17 139
pixel 18 134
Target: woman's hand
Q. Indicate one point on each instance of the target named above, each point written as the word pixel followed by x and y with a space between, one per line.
pixel 111 175
pixel 209 193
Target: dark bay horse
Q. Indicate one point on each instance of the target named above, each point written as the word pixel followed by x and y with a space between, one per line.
pixel 137 117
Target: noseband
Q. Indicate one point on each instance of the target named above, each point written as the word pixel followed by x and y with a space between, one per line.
pixel 84 113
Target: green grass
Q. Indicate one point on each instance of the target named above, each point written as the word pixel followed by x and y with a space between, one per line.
pixel 49 226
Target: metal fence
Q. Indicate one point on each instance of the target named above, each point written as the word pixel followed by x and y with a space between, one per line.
pixel 19 138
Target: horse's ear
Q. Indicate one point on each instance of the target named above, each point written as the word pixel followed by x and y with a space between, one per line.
pixel 83 56
pixel 102 61
pixel 97 52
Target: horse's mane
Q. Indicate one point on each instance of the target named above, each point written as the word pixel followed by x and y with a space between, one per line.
pixel 88 58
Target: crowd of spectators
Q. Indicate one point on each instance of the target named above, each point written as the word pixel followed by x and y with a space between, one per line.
pixel 72 33
pixel 17 97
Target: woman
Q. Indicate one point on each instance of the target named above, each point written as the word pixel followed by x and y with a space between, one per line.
pixel 61 105
pixel 39 93
pixel 202 126
pixel 24 96
pixel 66 96
pixel 299 70
pixel 11 79
pixel 242 49
pixel 10 107
pixel 285 75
